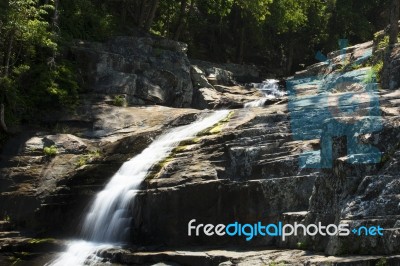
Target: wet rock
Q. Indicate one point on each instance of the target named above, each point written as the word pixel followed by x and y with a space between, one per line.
pixel 40 192
pixel 248 168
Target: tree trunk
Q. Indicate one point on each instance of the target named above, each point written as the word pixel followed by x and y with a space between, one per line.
pixel 240 22
pixel 151 15
pixel 394 24
pixel 1 52
pixel 393 33
pixel 2 122
pixel 290 56
pixel 142 14
pixel 124 8
pixel 8 56
pixel 240 54
pixel 56 14
pixel 181 20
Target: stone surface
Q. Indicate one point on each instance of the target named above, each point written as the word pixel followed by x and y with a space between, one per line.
pixel 248 168
pixel 240 257
pixel 224 97
pixel 39 192
pixel 228 74
pixel 146 70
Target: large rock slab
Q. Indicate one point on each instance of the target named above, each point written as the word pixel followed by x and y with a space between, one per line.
pixel 146 70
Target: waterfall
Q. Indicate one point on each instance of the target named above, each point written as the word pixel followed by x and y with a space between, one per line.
pixel 108 222
pixel 270 90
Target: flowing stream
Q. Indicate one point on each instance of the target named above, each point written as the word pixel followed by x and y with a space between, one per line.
pixel 108 222
pixel 270 89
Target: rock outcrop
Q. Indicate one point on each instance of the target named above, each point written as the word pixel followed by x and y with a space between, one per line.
pixel 228 74
pixel 42 188
pixel 329 155
pixel 215 86
pixel 146 70
pixel 155 71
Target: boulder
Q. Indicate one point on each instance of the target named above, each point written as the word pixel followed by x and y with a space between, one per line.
pixel 228 74
pixel 146 70
pixel 219 96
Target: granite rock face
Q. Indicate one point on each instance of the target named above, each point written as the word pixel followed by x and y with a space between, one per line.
pixel 155 71
pixel 215 87
pixel 245 173
pixel 145 70
pixel 40 191
pixel 228 74
pixel 268 164
pixel 352 191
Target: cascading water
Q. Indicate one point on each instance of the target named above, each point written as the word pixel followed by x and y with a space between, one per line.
pixel 270 89
pixel 109 220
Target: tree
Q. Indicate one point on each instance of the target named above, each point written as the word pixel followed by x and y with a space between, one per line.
pixel 393 39
pixel 248 13
pixel 394 24
pixel 24 33
pixel 24 28
pixel 294 22
pixel 141 11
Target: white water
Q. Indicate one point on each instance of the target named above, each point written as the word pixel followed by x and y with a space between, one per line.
pixel 80 253
pixel 109 218
pixel 270 89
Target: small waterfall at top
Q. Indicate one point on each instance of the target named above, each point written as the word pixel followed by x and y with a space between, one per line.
pixel 270 89
pixel 108 221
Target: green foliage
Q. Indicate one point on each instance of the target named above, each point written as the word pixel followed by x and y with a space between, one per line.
pixel 87 158
pixel 119 100
pixel 382 262
pixel 377 69
pixel 33 78
pixel 258 9
pixel 370 78
pixel 384 43
pixel 50 151
pixel 276 264
pixel 85 19
pixel 352 19
pixel 25 23
pixel 41 240
pixel 82 161
pixel 61 129
pixel 375 73
pixel 288 15
pixel 51 86
pixel 7 218
pixel 301 245
pixel 217 128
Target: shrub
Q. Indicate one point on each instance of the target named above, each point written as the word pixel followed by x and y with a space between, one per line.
pixel 85 159
pixel 119 101
pixel 50 151
pixel 301 245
